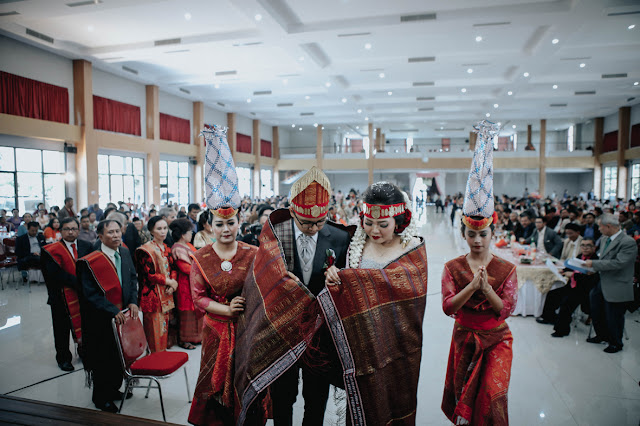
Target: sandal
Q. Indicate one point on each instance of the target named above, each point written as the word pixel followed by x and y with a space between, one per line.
pixel 186 345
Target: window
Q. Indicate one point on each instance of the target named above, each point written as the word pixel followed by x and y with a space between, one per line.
pixel 244 181
pixel 31 176
pixel 571 141
pixel 120 179
pixel 266 189
pixel 174 182
pixel 610 182
pixel 635 181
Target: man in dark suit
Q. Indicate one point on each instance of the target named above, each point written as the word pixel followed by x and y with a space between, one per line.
pixel 527 226
pixel 59 270
pixel 545 237
pixel 28 249
pixel 109 285
pixel 610 297
pixel 308 243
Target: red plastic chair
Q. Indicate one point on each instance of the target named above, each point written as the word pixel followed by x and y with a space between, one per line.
pixel 139 363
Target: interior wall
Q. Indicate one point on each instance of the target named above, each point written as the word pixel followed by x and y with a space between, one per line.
pixel 214 116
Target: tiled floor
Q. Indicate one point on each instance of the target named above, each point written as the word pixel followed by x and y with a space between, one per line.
pixel 554 381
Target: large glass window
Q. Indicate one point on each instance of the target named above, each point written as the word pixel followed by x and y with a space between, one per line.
pixel 174 182
pixel 266 189
pixel 635 181
pixel 31 176
pixel 120 179
pixel 244 181
pixel 610 182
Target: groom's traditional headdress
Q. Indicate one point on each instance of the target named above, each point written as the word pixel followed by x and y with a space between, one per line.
pixel 478 198
pixel 310 194
pixel 221 179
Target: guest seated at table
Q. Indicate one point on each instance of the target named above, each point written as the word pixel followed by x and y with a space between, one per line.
pixel 52 232
pixel 578 289
pixel 564 219
pixel 526 221
pixel 28 248
pixel 22 229
pixel 590 228
pixel 571 246
pixel 545 238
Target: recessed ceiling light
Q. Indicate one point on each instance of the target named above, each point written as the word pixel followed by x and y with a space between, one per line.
pixel 555 86
pixel 359 111
pixel 509 93
pixel 300 128
pixel 463 90
pixel 582 65
pixel 499 123
pixel 248 100
pixel 366 119
pixel 315 124
pixel 496 105
pixel 285 81
pixel 381 75
pixel 632 26
pixel 293 125
pixel 258 17
pixel 327 84
pixel 301 58
pixel 469 70
pixel 635 83
pixel 90 28
pixel 526 74
pixel 357 127
pixel 555 41
pixel 323 127
pixel 344 100
pixel 487 115
pixel 389 93
pixel 216 86
pixel 187 16
pixel 514 126
pixel 478 39
pixel 307 97
pixel 367 46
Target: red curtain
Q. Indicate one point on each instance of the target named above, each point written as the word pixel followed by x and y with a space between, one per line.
pixel 34 99
pixel 635 135
pixel 174 129
pixel 446 144
pixel 356 146
pixel 116 116
pixel 610 142
pixel 265 148
pixel 243 143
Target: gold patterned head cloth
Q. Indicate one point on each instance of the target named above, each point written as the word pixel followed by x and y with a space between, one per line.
pixel 310 194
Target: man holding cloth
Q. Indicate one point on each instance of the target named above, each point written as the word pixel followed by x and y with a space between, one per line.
pixel 59 270
pixel 109 285
pixel 610 297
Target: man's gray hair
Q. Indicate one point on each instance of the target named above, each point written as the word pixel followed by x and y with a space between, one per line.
pixel 119 217
pixel 165 211
pixel 609 219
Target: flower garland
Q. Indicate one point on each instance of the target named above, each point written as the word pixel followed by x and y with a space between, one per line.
pixel 360 237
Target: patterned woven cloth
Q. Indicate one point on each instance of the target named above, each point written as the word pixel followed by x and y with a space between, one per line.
pixel 221 179
pixel 478 199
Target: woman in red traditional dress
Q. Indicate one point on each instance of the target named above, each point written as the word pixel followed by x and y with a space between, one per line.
pixel 217 276
pixel 157 283
pixel 190 325
pixel 479 290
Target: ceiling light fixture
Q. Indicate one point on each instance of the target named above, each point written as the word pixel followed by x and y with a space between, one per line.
pixel 381 75
pixel 509 93
pixel 555 86
pixel 555 41
pixel 301 58
pixel 496 105
pixel 285 81
pixel 514 126
pixel 327 84
pixel 216 86
pixel 344 100
pixel 635 83
pixel 248 100
pixel 366 119
pixel 187 16
pixel 300 128
pixel 389 93
pixel 526 74
pixel 487 115
pixel 367 46
pixel 359 111
pixel 582 65
pixel 357 127
pixel 463 90
pixel 478 39
pixel 258 17
pixel 469 70
pixel 632 26
pixel 322 127
pixel 307 97
pixel 315 124
pixel 293 125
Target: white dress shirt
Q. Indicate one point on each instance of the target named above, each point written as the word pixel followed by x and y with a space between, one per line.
pixel 68 244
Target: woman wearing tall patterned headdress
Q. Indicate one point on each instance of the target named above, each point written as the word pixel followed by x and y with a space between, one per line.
pixel 479 290
pixel 375 310
pixel 217 277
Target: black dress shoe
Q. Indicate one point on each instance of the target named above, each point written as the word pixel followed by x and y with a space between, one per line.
pixel 541 320
pixel 595 339
pixel 556 334
pixel 118 395
pixel 66 366
pixel 612 349
pixel 108 406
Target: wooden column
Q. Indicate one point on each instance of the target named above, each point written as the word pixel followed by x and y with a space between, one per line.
pixel 198 169
pixel 542 167
pixel 383 140
pixel 153 156
pixel 529 146
pixel 231 133
pixel 370 148
pixel 257 181
pixel 473 138
pixel 275 149
pixel 624 123
pixel 87 156
pixel 379 139
pixel 598 138
pixel 319 149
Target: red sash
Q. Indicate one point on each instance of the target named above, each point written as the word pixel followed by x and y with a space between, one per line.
pixel 105 274
pixel 166 300
pixel 64 259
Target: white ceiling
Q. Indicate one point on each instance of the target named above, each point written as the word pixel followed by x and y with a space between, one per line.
pixel 298 46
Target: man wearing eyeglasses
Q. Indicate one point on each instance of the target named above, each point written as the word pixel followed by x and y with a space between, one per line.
pixel 59 270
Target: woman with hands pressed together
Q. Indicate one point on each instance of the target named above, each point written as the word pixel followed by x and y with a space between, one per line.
pixel 157 282
pixel 479 290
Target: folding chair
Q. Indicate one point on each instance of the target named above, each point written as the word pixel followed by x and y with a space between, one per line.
pixel 132 344
pixel 7 263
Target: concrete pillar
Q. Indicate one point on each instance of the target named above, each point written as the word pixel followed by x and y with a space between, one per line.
pixel 598 137
pixel 257 182
pixel 153 132
pixel 473 138
pixel 319 149
pixel 542 167
pixel 198 169
pixel 231 133
pixel 370 148
pixel 87 156
pixel 275 132
pixel 624 124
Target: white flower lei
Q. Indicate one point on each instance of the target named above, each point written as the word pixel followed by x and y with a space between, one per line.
pixel 359 238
